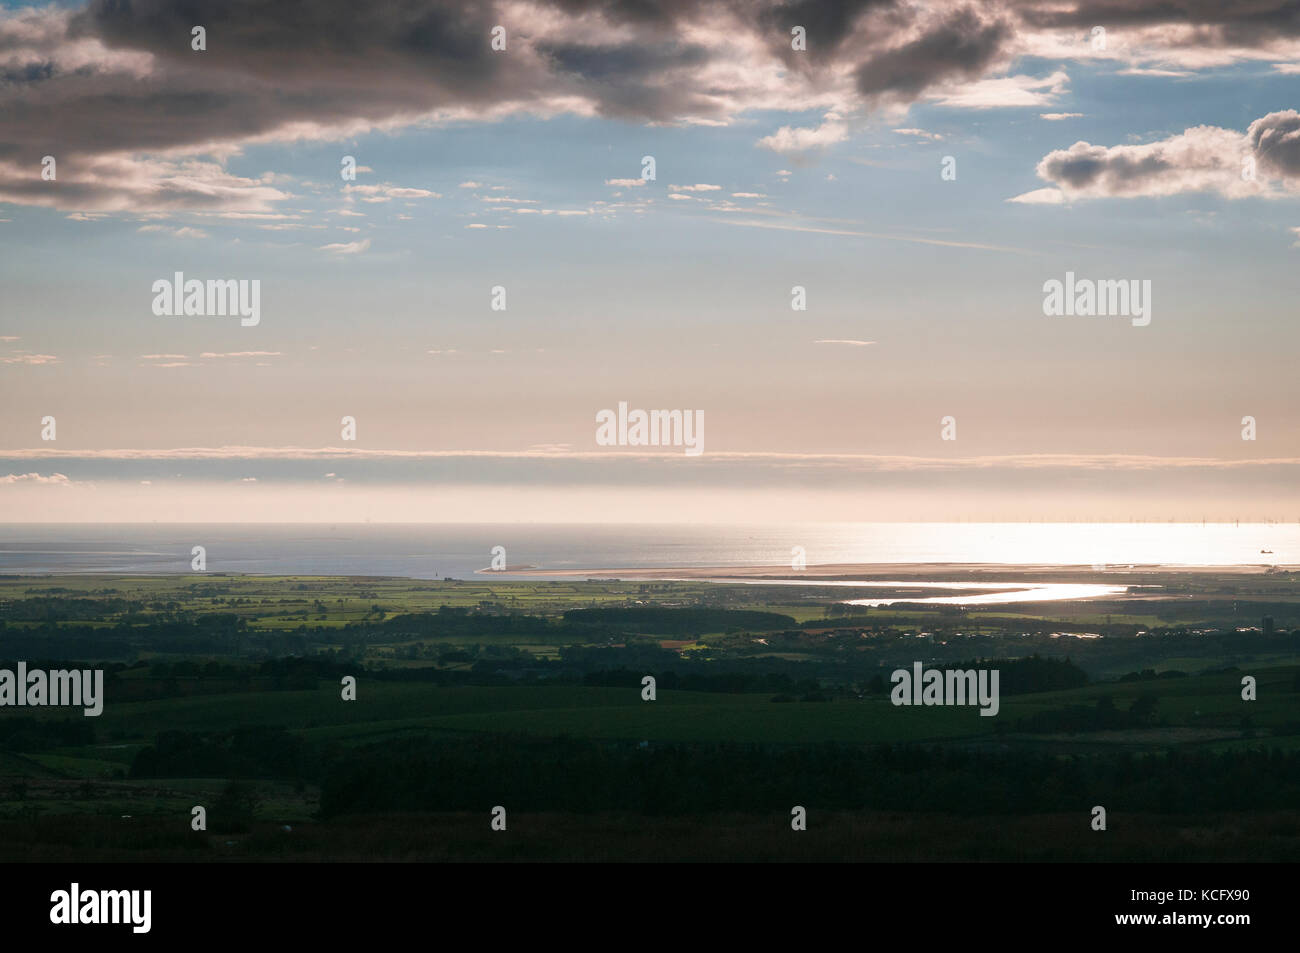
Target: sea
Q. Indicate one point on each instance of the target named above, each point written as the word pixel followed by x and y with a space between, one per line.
pixel 460 550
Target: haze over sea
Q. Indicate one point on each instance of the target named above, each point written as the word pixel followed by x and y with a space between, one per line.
pixel 435 551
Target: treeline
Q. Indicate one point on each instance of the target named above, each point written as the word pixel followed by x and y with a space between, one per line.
pixel 704 680
pixel 218 633
pixel 683 622
pixel 453 622
pixel 256 751
pixel 63 608
pixel 28 733
pixel 1103 716
pixel 580 776
pixel 1026 675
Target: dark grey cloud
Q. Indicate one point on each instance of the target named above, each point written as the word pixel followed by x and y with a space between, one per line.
pixel 961 46
pixel 1229 21
pixel 1275 142
pixel 1199 159
pixel 119 77
pixel 1085 166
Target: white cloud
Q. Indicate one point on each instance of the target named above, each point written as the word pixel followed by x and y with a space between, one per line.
pixel 1199 159
pixel 919 134
pixel 1004 91
pixel 54 479
pixel 1040 197
pixel 347 248
pixel 213 354
pixel 387 192
pixel 794 141
pixel 184 231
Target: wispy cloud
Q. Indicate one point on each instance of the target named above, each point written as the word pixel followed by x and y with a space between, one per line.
pixel 1089 461
pixel 822 230
pixel 388 192
pixel 1005 91
pixel 347 248
pixel 54 479
pixel 211 354
pixel 184 231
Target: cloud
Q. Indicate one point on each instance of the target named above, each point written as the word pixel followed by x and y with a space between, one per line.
pixel 1006 91
pixel 387 192
pixel 862 461
pixel 1160 38
pixel 944 46
pixel 54 479
pixel 849 342
pixel 210 354
pixel 119 183
pixel 143 123
pixel 1150 71
pixel 185 231
pixel 795 141
pixel 347 248
pixel 749 195
pixel 1199 159
pixel 919 133
pixel 1057 117
pixel 695 188
pixel 1275 142
pixel 22 357
pixel 625 183
pixel 1040 197
pixel 820 230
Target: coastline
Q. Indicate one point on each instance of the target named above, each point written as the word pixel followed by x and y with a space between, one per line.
pixel 885 572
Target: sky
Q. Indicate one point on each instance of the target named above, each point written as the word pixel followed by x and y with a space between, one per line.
pixel 920 170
